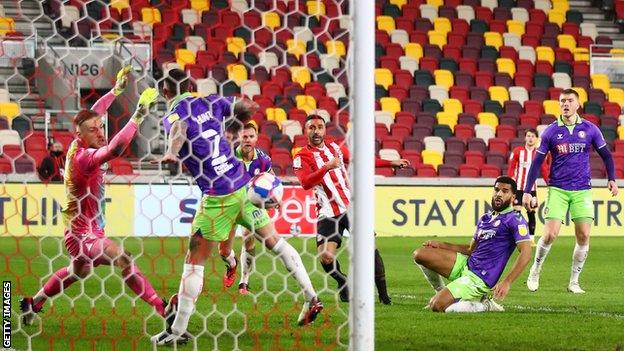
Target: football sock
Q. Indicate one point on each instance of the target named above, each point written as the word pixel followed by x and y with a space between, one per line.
pixel 432 277
pixel 60 280
pixel 334 271
pixel 293 263
pixel 247 263
pixel 531 215
pixel 540 254
pixel 190 288
pixel 578 260
pixel 466 306
pixel 380 275
pixel 135 279
pixel 230 259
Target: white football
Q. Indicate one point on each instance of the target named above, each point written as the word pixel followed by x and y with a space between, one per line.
pixel 265 190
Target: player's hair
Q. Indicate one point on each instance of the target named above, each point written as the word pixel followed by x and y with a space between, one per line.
pixel 570 91
pixel 531 130
pixel 312 117
pixel 507 180
pixel 250 126
pixel 177 78
pixel 83 116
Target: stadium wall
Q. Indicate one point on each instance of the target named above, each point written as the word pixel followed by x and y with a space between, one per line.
pixel 435 209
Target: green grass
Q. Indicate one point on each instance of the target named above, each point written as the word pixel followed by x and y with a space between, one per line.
pixel 550 319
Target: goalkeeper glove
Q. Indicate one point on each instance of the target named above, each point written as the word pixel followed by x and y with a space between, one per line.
pixel 122 80
pixel 147 98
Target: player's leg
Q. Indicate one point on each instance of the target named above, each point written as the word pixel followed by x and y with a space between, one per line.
pixel 228 256
pixel 555 213
pixel 582 213
pixel 328 241
pixel 531 214
pixel 435 263
pixel 380 279
pixel 248 257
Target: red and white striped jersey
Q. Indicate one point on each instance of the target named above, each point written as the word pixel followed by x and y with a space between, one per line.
pixel 331 187
pixel 519 163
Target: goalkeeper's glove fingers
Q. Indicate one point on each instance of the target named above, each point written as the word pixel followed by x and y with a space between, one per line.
pixel 122 80
pixel 147 98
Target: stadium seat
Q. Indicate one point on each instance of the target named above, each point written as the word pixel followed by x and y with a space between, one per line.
pixel 600 81
pixel 383 77
pixel 432 157
pixel 237 73
pixel 296 47
pixel 301 75
pixel 9 110
pixel 236 45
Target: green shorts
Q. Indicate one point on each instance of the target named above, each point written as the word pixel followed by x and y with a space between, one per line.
pixel 579 202
pixel 217 215
pixel 466 285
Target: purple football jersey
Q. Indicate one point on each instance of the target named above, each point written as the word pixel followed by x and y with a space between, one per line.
pixel 570 148
pixel 261 162
pixel 496 239
pixel 206 153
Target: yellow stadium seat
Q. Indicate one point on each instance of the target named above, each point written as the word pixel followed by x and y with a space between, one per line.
pixel 7 24
pixel 301 75
pixel 601 81
pixel 566 41
pixel 617 52
pixel 386 23
pixel 515 27
pixel 616 95
pixel 437 38
pixel 119 5
pixel 413 50
pixel 237 73
pixel 432 157
pixel 335 47
pixel 390 104
pixel 442 24
pixel 399 3
pixel 150 15
pixel 295 151
pixel 236 45
pixel 494 39
pixel 306 103
pixel 620 132
pixel 582 95
pixel 581 54
pixel 108 37
pixel 200 5
pixel 436 3
pixel 453 106
pixel 9 110
pixel 443 78
pixel 506 65
pixel 296 47
pixel 184 57
pixel 276 114
pixel 448 118
pixel 271 20
pixel 561 5
pixel 499 94
pixel 545 53
pixel 557 16
pixel 316 8
pixel 551 107
pixel 383 76
pixel 488 118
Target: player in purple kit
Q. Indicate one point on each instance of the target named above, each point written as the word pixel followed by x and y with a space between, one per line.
pixel 568 140
pixel 255 161
pixel 196 128
pixel 474 270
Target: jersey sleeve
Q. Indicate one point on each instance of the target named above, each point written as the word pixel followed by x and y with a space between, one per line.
pixel 308 177
pixel 513 163
pixel 545 141
pixel 91 159
pixel 267 164
pixel 519 228
pixel 598 140
pixel 222 106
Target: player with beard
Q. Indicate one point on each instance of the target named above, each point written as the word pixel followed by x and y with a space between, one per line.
pixel 474 270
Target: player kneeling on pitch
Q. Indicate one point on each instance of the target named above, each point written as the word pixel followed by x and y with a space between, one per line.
pixel 474 270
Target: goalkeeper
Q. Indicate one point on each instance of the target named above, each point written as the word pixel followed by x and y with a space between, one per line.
pixel 83 210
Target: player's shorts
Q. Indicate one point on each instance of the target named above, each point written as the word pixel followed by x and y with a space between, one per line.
pixel 87 248
pixel 217 215
pixel 519 194
pixel 466 285
pixel 579 202
pixel 331 229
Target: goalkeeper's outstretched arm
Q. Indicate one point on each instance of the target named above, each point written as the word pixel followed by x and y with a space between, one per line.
pixel 102 105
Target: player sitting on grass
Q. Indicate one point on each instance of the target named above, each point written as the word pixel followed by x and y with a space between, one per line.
pixel 474 270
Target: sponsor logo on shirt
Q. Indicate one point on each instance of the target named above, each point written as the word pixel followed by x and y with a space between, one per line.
pixel 571 148
pixel 485 234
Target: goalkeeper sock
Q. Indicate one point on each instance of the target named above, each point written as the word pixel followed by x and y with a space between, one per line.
pixel 135 279
pixel 190 288
pixel 432 277
pixel 578 260
pixel 230 259
pixel 60 280
pixel 380 276
pixel 466 306
pixel 334 271
pixel 247 262
pixel 540 254
pixel 293 263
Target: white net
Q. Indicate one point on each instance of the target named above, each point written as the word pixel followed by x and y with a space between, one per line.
pixel 290 57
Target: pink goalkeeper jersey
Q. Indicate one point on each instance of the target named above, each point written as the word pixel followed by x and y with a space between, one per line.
pixel 83 209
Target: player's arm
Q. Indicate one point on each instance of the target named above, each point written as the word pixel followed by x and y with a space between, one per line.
pixel 245 108
pixel 177 138
pixel 462 249
pixel 501 289
pixel 601 147
pixel 400 163
pixel 308 177
pixel 513 163
pixel 546 169
pixel 102 105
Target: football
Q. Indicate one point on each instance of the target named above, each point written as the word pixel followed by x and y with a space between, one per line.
pixel 265 190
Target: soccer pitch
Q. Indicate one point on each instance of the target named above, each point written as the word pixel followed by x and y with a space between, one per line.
pixel 549 319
